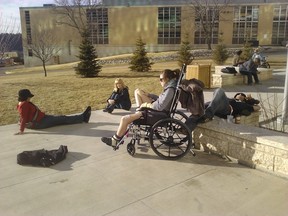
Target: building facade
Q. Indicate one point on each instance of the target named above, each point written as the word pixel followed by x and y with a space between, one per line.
pixel 115 26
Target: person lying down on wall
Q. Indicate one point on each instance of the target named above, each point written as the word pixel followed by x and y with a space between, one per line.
pixel 222 106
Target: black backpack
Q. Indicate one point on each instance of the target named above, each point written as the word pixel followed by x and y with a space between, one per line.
pixel 229 70
pixel 42 157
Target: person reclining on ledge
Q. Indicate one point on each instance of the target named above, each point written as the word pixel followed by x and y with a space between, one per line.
pixel 33 118
pixel 168 80
pixel 222 106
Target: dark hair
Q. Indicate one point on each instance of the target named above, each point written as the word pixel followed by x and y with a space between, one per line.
pixel 171 74
pixel 24 94
pixel 240 93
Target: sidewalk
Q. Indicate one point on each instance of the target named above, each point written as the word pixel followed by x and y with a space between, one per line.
pixel 95 180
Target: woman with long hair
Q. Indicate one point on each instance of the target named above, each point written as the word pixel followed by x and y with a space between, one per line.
pixel 119 99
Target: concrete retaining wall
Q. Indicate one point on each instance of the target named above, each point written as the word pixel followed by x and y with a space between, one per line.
pixel 220 79
pixel 252 146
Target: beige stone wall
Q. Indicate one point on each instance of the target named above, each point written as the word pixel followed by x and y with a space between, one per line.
pixel 265 24
pixel 226 25
pixel 255 147
pixel 126 24
pixel 68 38
pixel 187 23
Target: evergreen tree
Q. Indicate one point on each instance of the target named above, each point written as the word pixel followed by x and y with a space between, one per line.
pixel 139 61
pixel 185 56
pixel 220 53
pixel 89 63
pixel 247 50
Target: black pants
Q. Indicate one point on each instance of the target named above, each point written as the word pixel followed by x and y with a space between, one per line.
pixel 249 75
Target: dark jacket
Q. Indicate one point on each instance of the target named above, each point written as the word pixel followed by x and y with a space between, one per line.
pixel 122 99
pixel 191 96
pixel 248 66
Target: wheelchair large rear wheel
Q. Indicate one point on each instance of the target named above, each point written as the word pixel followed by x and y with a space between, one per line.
pixel 180 116
pixel 170 139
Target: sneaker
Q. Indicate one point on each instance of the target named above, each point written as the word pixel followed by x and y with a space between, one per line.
pixel 87 114
pixel 110 141
pixel 105 110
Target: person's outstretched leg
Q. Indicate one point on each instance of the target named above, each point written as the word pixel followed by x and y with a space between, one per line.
pixel 124 122
pixel 219 104
pixel 51 120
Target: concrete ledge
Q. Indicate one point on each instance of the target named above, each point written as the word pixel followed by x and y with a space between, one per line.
pixel 252 146
pixel 252 120
pixel 220 79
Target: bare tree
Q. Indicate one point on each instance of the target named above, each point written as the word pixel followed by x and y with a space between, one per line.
pixel 207 13
pixel 9 34
pixel 73 12
pixel 44 46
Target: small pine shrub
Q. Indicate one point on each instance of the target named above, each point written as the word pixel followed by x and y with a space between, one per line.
pixel 140 61
pixel 89 63
pixel 185 56
pixel 247 51
pixel 220 53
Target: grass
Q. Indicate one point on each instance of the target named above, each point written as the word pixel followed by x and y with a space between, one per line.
pixel 62 92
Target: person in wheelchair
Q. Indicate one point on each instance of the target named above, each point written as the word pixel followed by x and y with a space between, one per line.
pixel 168 80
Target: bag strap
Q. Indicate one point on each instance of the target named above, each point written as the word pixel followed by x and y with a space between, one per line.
pixel 37 112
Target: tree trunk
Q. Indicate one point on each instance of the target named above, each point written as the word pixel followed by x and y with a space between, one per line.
pixel 45 72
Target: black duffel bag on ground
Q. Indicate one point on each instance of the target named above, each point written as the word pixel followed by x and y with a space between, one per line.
pixel 42 157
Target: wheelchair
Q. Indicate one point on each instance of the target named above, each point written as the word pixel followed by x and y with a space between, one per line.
pixel 166 132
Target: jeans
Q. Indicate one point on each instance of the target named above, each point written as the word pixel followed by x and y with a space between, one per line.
pixel 219 104
pixel 249 75
pixel 51 121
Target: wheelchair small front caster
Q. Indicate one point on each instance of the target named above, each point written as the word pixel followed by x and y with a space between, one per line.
pixel 131 149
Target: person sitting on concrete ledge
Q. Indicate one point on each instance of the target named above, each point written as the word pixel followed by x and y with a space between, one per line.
pixel 249 68
pixel 222 106
pixel 33 118
pixel 237 58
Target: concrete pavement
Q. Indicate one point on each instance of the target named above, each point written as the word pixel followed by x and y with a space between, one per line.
pixel 95 180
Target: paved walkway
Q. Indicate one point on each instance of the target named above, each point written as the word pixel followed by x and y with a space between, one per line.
pixel 95 180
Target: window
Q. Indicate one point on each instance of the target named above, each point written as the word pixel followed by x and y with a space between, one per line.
pixel 280 24
pixel 98 24
pixel 28 27
pixel 245 24
pixel 212 20
pixel 30 52
pixel 169 25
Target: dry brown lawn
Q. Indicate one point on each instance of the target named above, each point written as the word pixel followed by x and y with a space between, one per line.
pixel 62 92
